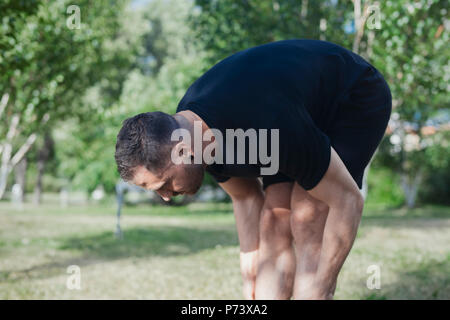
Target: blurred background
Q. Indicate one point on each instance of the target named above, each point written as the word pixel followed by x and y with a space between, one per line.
pixel 72 71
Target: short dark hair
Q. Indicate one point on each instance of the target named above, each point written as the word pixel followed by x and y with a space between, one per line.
pixel 144 140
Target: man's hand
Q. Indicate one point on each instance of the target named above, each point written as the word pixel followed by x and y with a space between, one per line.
pixel 249 270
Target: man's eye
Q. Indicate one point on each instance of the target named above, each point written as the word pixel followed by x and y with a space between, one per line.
pixel 162 188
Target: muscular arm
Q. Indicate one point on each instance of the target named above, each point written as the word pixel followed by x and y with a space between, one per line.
pixel 248 199
pixel 337 189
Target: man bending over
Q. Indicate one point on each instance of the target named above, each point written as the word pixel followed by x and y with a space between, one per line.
pixel 319 110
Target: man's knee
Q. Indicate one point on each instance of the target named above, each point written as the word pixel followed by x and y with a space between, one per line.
pixel 275 215
pixel 308 212
pixel 275 224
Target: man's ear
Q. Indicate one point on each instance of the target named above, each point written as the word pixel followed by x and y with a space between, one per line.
pixel 181 153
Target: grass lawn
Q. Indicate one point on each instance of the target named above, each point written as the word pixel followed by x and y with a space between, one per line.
pixel 192 253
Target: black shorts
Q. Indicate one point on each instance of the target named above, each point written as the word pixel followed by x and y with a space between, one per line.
pixel 358 127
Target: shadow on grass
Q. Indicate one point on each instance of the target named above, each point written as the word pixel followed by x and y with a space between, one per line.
pixel 151 241
pixel 416 223
pixel 405 213
pixel 432 217
pixel 428 280
pixel 102 247
pixel 193 209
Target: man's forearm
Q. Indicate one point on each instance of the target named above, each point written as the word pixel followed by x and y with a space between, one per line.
pixel 247 212
pixel 339 234
pixel 248 199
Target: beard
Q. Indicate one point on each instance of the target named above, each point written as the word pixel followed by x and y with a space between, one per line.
pixel 193 177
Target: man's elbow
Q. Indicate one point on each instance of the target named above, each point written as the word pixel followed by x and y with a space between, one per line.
pixel 353 204
pixel 350 203
pixel 357 200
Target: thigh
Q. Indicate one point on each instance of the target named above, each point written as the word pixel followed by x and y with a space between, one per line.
pixel 356 147
pixel 275 227
pixel 359 127
pixel 306 208
pixel 277 197
pixel 275 179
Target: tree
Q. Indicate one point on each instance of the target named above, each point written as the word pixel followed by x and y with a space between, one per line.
pixel 412 53
pixel 228 26
pixel 47 67
pixel 168 60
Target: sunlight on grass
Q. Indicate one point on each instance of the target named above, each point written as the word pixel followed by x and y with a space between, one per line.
pixel 192 253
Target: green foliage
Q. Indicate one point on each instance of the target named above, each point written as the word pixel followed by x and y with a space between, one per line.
pixel 50 69
pixel 47 67
pixel 438 153
pixel 412 52
pixel 384 188
pixel 86 155
pixel 435 188
pixel 167 61
pixel 228 26
pixel 432 160
pixel 124 61
pixel 171 61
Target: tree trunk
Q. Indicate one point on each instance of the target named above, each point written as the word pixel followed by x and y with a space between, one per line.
pixel 5 168
pixel 20 172
pixel 43 156
pixel 304 9
pixel 8 160
pixel 410 186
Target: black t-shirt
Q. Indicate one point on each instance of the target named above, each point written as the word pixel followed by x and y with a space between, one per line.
pixel 294 86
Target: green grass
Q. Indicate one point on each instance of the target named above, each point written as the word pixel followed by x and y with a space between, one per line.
pixel 192 253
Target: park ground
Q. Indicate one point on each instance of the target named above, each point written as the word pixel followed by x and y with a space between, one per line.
pixel 192 252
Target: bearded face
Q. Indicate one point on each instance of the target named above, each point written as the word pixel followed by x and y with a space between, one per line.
pixel 174 180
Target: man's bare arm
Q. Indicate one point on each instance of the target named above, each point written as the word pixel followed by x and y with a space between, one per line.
pixel 248 199
pixel 337 189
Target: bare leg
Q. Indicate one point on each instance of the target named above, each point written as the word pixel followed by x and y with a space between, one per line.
pixel 276 260
pixel 307 223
